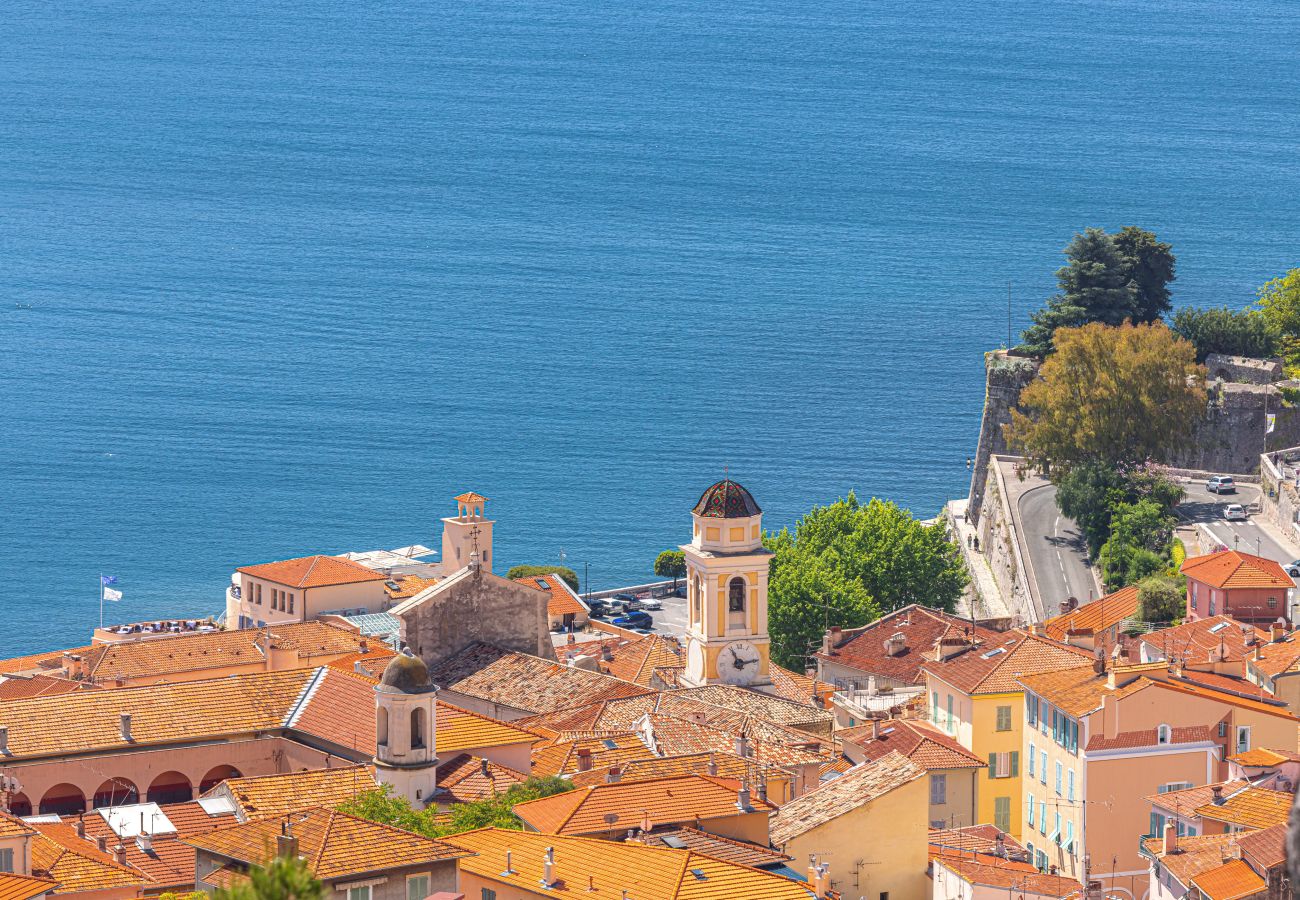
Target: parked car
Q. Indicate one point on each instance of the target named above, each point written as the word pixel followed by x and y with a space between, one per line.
pixel 644 630
pixel 652 604
pixel 599 609
pixel 1293 568
pixel 636 619
pixel 1221 484
pixel 1234 512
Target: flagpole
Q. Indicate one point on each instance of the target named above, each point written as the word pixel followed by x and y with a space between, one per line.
pixel 101 599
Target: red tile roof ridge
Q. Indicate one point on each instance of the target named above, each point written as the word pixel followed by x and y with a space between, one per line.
pixel 1220 568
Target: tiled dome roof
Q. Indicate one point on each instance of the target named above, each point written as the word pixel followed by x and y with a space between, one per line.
pixel 727 500
pixel 407 673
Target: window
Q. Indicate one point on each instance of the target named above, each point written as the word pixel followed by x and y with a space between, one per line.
pixel 1042 762
pixel 1029 848
pixel 1223 729
pixel 290 602
pixel 1055 836
pixel 934 706
pixel 1157 825
pixel 417 887
pixel 938 789
pixel 1163 734
pixel 950 720
pixel 736 595
pixel 1059 779
pixel 1069 784
pixel 1040 860
pixel 1212 603
pixel 1272 603
pixel 7 860
pixel 381 726
pixel 1031 710
pixel 1031 760
pixel 1004 765
pixel 1194 596
pixel 1030 805
pixel 417 727
pixel 1042 817
pixel 488 894
pixel 259 595
pixel 1042 715
pixel 1004 718
pixel 359 893
pixel 1069 838
pixel 1243 738
pixel 1002 813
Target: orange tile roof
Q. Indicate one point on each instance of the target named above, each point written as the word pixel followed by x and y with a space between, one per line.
pixel 21 687
pixel 636 661
pixel 12 826
pixel 273 795
pixel 770 743
pixel 1266 848
pixel 1262 756
pixel 610 867
pixel 1091 618
pixel 335 845
pixel 918 741
pixel 76 863
pixel 525 682
pixel 1251 807
pixel 672 800
pixel 993 667
pixel 727 765
pixel 409 585
pixel 313 571
pixel 1195 854
pixel 1234 880
pixel 1234 569
pixel 726 849
pixel 856 788
pixel 38 662
pixel 464 778
pixel 562 600
pixel 789 713
pixel 1276 657
pixel 1007 875
pixel 372 663
pixel 1220 682
pixel 24 887
pixel 799 688
pixel 460 729
pixel 470 497
pixel 168 863
pixel 864 649
pixel 564 755
pixel 1193 642
pixel 1149 737
pixel 1186 801
pixel 981 839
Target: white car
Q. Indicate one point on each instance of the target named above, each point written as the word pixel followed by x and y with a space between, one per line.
pixel 651 604
pixel 1234 512
pixel 1293 568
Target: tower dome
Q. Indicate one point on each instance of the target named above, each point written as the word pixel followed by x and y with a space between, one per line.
pixel 406 673
pixel 727 500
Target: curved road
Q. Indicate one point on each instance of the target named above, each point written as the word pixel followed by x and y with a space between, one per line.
pixel 1058 553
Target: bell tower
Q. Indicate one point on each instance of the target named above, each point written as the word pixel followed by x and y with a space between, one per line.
pixel 405 711
pixel 465 533
pixel 726 590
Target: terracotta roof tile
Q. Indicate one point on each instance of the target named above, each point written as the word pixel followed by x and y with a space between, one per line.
pixel 465 778
pixel 1080 691
pixel 726 849
pixel 12 826
pixel 76 863
pixel 272 795
pixel 168 863
pixel 525 682
pixel 992 668
pixel 37 663
pixel 1234 569
pixel 636 661
pixel 20 687
pixel 666 801
pixel 728 765
pixel 313 571
pixel 1148 737
pixel 981 839
pixel 1193 642
pixel 1100 614
pixel 646 873
pixel 409 585
pixel 1266 848
pixel 769 743
pixel 865 650
pixel 371 663
pixel 1005 875
pixel 24 887
pixel 563 601
pixel 334 844
pixel 800 688
pixel 1251 807
pixel 1221 682
pixel 790 713
pixel 1234 880
pixel 1276 657
pixel 564 755
pixel 918 741
pixel 857 787
pixel 1262 756
pixel 1196 854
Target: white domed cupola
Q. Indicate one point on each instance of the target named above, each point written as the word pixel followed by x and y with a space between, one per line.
pixel 405 715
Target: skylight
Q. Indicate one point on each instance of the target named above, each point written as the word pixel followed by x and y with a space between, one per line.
pixel 674 841
pixel 995 652
pixel 1217 628
pixel 699 875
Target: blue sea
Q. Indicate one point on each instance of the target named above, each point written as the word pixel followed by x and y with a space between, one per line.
pixel 284 277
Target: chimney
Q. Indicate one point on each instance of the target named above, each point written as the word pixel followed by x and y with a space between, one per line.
pixel 359 669
pixel 584 759
pixel 286 845
pixel 363 646
pixel 548 868
pixel 742 746
pixel 119 854
pixel 80 827
pixel 896 644
pixel 1275 631
pixel 713 765
pixel 483 767
pixel 607 653
pixel 510 870
pixel 1110 712
pixel 1217 791
pixel 872 689
pixel 742 798
pixel 1099 661
pixel 1000 845
pixel 125 721
pixel 144 842
pixel 1171 838
pixel 875 729
pixel 4 739
pixel 72 665
pixel 1068 605
pixel 817 878
pixel 101 844
pixel 614 775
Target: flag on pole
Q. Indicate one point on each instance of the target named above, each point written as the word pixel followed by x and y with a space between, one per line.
pixel 106 580
pixel 110 594
pixel 1272 423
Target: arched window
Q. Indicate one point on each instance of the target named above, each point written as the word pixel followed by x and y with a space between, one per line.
pixel 417 727
pixel 1163 734
pixel 736 590
pixel 381 726
pixel 696 590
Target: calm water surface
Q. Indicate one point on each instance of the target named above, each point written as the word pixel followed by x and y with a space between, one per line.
pixel 281 278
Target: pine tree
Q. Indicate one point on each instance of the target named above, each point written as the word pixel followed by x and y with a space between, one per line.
pixel 1095 287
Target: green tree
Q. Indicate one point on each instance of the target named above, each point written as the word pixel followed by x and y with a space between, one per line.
pixel 671 564
pixel 805 595
pixel 381 805
pixel 1091 493
pixel 1139 543
pixel 1234 332
pixel 1279 302
pixel 570 577
pixel 284 878
pixel 1095 286
pixel 1162 599
pixel 1110 396
pixel 1149 266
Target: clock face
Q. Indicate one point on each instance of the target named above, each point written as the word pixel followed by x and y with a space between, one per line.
pixel 695 658
pixel 738 663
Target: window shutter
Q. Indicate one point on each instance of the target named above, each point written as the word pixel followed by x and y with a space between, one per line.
pixel 993 765
pixel 1015 763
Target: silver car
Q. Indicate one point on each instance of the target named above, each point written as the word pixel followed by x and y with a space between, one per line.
pixel 1234 512
pixel 1221 484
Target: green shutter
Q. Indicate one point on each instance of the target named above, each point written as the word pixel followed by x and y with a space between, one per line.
pixel 1015 763
pixel 993 765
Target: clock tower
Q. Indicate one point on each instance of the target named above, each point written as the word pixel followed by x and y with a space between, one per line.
pixel 726 590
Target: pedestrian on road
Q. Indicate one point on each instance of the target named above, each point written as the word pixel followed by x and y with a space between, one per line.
pixel 977 543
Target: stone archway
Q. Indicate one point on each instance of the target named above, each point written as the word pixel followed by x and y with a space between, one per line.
pixel 217 775
pixel 170 787
pixel 20 806
pixel 116 792
pixel 63 800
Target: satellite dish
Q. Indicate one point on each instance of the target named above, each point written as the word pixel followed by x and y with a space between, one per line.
pixel 611 818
